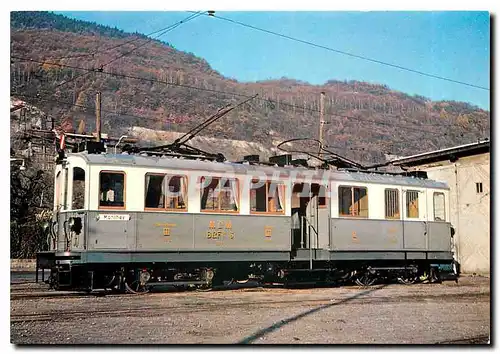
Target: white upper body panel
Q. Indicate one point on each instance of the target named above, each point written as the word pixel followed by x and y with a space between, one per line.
pixel 135 168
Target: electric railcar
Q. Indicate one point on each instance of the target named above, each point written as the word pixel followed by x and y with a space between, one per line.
pixel 129 222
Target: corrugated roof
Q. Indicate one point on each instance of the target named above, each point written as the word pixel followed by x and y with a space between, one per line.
pixel 444 154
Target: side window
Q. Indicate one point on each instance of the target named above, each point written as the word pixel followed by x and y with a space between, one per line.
pixel 176 192
pixel 66 182
pixel 353 201
pixel 411 204
pixel 78 188
pixel 439 211
pixel 320 191
pixel 391 204
pixel 267 198
pixel 155 191
pixel 219 194
pixel 112 189
pixel 165 192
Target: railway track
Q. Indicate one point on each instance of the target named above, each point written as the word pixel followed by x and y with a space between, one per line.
pixel 189 308
pixel 473 340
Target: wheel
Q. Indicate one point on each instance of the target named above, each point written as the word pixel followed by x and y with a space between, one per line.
pixel 204 288
pixel 407 279
pixel 139 284
pixel 234 281
pixel 136 288
pixel 434 276
pixel 366 279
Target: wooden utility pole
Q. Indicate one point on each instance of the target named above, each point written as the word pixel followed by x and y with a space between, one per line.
pixel 321 121
pixel 98 116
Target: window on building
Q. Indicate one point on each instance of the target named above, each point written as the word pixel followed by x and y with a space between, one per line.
pixel 411 204
pixel 165 192
pixel 267 197
pixel 78 188
pixel 219 194
pixel 353 201
pixel 439 211
pixel 112 189
pixel 479 187
pixel 392 204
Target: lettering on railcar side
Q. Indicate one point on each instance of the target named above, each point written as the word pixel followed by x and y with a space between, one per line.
pixel 158 224
pixel 219 230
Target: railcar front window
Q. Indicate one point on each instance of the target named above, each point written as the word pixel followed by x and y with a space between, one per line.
pixel 112 189
pixel 219 194
pixel 412 204
pixel 353 201
pixel 78 188
pixel 57 197
pixel 439 211
pixel 66 182
pixel 391 204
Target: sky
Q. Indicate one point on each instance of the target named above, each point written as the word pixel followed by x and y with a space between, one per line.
pixel 454 45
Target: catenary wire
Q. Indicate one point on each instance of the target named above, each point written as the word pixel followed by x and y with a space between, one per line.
pixel 362 57
pixel 233 94
pixel 164 31
pixel 97 51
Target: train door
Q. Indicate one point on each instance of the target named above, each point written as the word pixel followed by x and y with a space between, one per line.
pixel 309 216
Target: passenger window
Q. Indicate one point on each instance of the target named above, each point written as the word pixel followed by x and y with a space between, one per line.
pixel 439 210
pixel 320 191
pixel 177 192
pixel 155 191
pixel 392 204
pixel 78 188
pixel 219 194
pixel 112 189
pixel 267 197
pixel 353 201
pixel 165 192
pixel 411 204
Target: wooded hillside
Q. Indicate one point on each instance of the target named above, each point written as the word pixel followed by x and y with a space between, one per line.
pixel 364 120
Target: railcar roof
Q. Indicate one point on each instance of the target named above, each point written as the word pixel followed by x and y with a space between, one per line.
pixel 243 168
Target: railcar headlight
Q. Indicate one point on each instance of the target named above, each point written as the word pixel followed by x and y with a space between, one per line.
pixel 45 226
pixel 71 222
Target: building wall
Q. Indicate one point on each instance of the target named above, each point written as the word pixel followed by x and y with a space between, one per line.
pixel 469 210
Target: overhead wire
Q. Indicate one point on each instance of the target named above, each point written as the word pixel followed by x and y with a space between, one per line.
pixel 119 115
pixel 362 57
pixel 163 32
pixel 168 29
pixel 234 94
pixel 114 46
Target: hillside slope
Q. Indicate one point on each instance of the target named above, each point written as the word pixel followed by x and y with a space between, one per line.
pixel 365 120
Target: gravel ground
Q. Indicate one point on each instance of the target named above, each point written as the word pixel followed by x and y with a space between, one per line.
pixel 393 314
